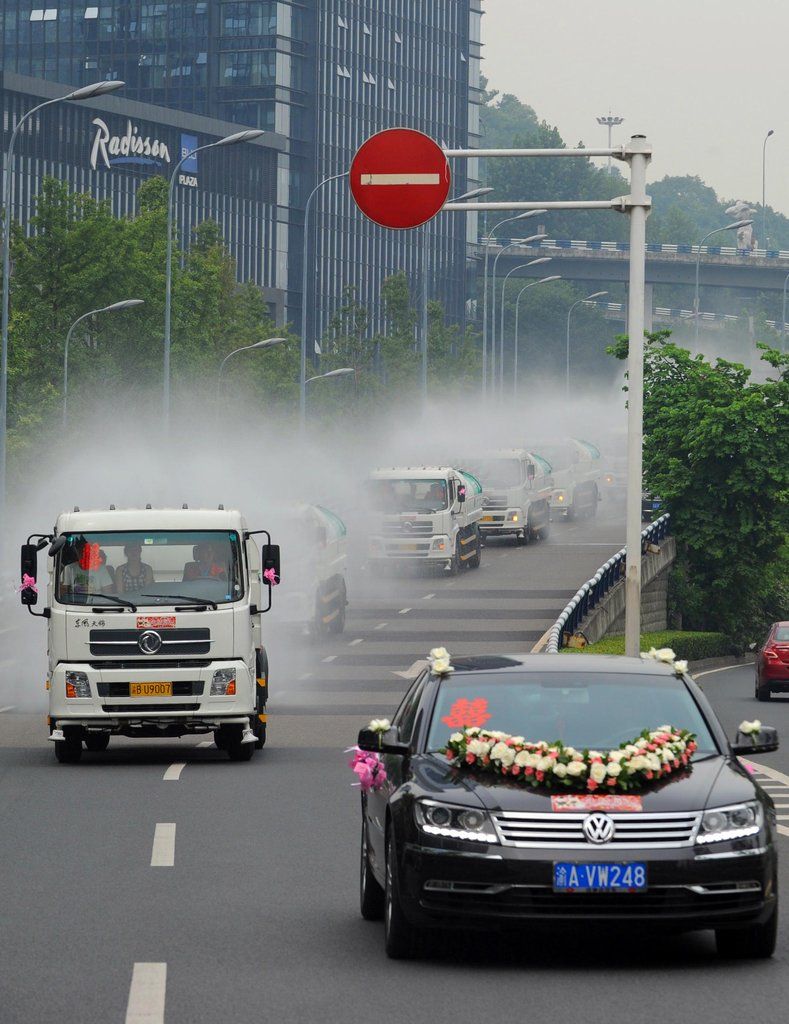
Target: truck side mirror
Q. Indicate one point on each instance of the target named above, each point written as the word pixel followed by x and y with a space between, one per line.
pixel 531 470
pixel 270 557
pixel 28 574
pixel 461 494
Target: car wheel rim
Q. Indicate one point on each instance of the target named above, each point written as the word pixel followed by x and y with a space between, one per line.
pixel 363 869
pixel 388 901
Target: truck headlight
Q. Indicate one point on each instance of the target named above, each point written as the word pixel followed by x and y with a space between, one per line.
pixel 513 517
pixel 736 822
pixel 77 685
pixel 439 544
pixel 224 683
pixel 559 496
pixel 469 823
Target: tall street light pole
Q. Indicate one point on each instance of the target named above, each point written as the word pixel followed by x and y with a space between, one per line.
pixel 522 266
pixel 487 240
pixel 268 343
pixel 764 188
pixel 87 92
pixel 532 284
pixel 783 313
pixel 230 140
pixel 473 194
pixel 114 308
pixel 594 295
pixel 726 227
pixel 515 242
pixel 305 249
pixel 609 122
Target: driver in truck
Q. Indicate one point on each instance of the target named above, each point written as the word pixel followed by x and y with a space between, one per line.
pixel 205 565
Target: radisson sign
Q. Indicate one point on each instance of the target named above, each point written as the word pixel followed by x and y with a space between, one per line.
pixel 130 148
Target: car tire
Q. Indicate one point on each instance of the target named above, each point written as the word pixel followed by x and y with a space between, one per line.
pixel 241 751
pixel 98 742
pixel 371 893
pixel 754 943
pixel 400 937
pixel 763 692
pixel 68 750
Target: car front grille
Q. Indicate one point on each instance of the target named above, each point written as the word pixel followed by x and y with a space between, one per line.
pixel 564 831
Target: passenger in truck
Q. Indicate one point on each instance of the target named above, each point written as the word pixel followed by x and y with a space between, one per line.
pixel 205 566
pixel 134 575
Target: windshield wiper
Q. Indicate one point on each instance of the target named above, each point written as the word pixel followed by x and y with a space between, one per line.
pixel 112 597
pixel 205 601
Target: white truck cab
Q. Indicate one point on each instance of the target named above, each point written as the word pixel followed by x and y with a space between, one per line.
pixel 154 626
pixel 576 468
pixel 429 515
pixel 517 487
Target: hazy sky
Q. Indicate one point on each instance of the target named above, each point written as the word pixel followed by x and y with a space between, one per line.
pixel 703 79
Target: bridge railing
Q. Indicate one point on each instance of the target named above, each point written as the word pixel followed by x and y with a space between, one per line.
pixel 654 247
pixel 678 314
pixel 595 589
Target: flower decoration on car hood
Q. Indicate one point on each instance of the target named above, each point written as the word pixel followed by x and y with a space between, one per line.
pixel 667 657
pixel 653 755
pixel 440 662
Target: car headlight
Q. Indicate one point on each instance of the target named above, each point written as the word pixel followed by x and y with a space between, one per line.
pixel 726 823
pixel 224 683
pixel 77 685
pixel 469 823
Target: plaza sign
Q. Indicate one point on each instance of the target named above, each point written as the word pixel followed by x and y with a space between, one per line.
pixel 130 148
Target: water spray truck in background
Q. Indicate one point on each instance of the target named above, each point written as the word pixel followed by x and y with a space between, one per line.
pixel 426 515
pixel 576 468
pixel 517 488
pixel 154 626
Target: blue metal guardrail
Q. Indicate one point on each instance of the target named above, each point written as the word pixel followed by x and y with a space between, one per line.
pixel 679 314
pixel 658 247
pixel 592 592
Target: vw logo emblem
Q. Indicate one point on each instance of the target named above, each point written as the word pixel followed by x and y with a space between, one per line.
pixel 149 642
pixel 598 829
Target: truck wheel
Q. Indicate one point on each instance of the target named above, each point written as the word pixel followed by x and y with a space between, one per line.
pixel 593 506
pixel 455 565
pixel 476 558
pixel 337 624
pixel 522 538
pixel 241 751
pixel 259 729
pixel 97 742
pixel 69 750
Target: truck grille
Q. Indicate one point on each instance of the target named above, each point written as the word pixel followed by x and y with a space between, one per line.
pixel 408 528
pixel 119 643
pixel 564 830
pixel 133 709
pixel 495 502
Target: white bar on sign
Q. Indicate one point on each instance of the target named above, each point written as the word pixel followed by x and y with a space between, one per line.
pixel 401 179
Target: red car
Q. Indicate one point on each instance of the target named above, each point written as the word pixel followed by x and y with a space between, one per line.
pixel 772 662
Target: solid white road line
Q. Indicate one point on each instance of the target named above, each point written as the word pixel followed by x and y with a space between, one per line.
pixel 163 853
pixel 9 707
pixel 146 995
pixel 353 643
pixel 724 668
pixel 331 657
pixel 307 675
pixel 782 817
pixel 381 625
pixel 173 773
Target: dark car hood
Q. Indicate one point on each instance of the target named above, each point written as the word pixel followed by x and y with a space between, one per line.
pixel 713 782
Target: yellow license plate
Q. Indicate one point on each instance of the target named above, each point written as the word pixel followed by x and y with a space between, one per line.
pixel 150 689
pixel 487 519
pixel 410 547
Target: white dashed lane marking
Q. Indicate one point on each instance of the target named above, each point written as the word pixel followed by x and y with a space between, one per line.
pixel 173 773
pixel 205 743
pixel 428 597
pixel 163 852
pixel 404 611
pixel 353 643
pixel 9 707
pixel 331 657
pixel 147 994
pixel 776 784
pixel 381 625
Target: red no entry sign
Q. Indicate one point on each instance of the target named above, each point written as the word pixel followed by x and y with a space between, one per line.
pixel 400 178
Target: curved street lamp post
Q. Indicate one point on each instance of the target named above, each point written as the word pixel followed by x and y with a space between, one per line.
pixel 521 266
pixel 532 284
pixel 267 343
pixel 594 295
pixel 502 250
pixel 726 227
pixel 114 308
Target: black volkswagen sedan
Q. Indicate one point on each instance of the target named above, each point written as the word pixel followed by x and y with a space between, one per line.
pixel 448 846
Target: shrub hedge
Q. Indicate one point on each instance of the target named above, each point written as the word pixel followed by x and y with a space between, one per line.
pixel 690 646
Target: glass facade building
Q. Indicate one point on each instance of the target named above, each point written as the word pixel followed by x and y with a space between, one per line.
pixel 324 74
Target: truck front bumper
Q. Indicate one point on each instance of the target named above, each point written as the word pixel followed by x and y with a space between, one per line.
pixel 437 548
pixel 503 521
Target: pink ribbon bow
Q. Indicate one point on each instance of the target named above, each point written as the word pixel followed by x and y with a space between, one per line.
pixel 270 577
pixel 28 583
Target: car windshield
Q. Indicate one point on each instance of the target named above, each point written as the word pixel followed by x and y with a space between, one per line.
pixel 595 711
pixel 782 634
pixel 153 568
pixel 499 472
pixel 422 495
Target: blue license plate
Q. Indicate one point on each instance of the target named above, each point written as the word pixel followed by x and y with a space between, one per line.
pixel 571 877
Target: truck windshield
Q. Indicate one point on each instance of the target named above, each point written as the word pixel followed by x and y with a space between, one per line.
pixel 150 568
pixel 499 472
pixel 408 495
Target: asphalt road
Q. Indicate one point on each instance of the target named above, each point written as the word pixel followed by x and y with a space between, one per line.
pixel 249 910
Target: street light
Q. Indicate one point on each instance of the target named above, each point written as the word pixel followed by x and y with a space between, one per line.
pixel 114 308
pixel 610 122
pixel 267 343
pixel 764 188
pixel 344 371
pixel 503 249
pixel 86 92
pixel 726 227
pixel 305 240
pixel 487 240
pixel 473 194
pixel 229 140
pixel 783 312
pixel 522 266
pixel 594 295
pixel 532 284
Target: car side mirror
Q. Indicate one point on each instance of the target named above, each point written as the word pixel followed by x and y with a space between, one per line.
pixel 270 558
pixel 765 741
pixel 382 743
pixel 28 574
